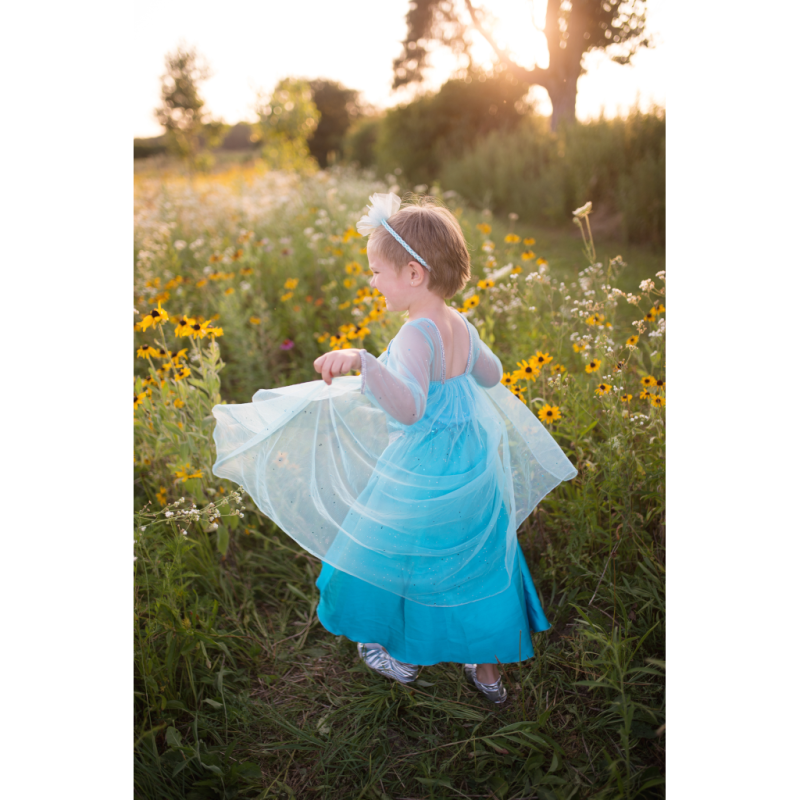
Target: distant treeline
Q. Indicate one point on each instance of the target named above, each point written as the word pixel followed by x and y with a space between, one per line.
pixel 478 136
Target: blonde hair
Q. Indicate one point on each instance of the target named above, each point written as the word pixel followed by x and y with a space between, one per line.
pixel 433 232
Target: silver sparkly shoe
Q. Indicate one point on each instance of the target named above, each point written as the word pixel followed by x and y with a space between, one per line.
pixel 379 660
pixel 496 692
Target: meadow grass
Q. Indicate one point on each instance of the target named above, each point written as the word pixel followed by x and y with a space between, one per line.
pixel 239 691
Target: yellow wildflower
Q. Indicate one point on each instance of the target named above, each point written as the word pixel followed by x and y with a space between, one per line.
pixel 578 347
pixel 229 290
pixel 528 369
pixel 255 320
pixel 485 283
pixel 516 270
pixel 602 389
pixel 484 228
pixel 527 255
pixel 542 358
pixel 559 368
pixel 658 401
pixel 632 340
pixel 178 403
pixel 593 365
pixel 549 413
pixel 512 238
pixel 648 380
pixel 287 296
pixel 154 318
pixel 161 496
pixel 508 379
pixel 529 241
pixel 291 283
pixel 146 350
pixel 625 398
pixel 201 283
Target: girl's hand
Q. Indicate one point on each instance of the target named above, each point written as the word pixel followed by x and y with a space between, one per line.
pixel 337 362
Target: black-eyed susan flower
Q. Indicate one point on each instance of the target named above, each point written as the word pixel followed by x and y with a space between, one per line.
pixel 557 368
pixel 181 372
pixel 650 316
pixel 183 326
pixel 578 347
pixel 602 389
pixel 631 341
pixel 659 308
pixel 291 283
pixel 540 359
pixel 485 283
pixel 661 385
pixel 625 398
pixel 549 414
pixel 593 365
pixel 178 403
pixel 648 380
pixel 508 379
pixel 529 241
pixel 146 351
pixel 484 228
pixel 595 319
pixel 161 496
pixel 138 399
pixel 528 369
pixel 286 296
pixel 618 367
pixel 245 271
pixel 657 400
pixel 472 301
pixel 176 359
pixel 201 283
pixel 215 333
pixel 541 262
pixel 516 270
pixel 154 318
pixel 237 255
pixel 512 238
pixel 199 330
pixel 230 290
pixel 255 320
pixel 184 474
pixel 644 395
pixel 528 255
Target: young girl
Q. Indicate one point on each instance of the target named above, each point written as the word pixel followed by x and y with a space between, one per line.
pixel 410 481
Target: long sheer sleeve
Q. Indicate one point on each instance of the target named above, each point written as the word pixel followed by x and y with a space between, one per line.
pixel 399 384
pixel 487 371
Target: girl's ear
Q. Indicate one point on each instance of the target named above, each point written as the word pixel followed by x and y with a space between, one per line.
pixel 417 272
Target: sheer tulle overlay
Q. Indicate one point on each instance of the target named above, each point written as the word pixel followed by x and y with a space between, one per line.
pixel 409 481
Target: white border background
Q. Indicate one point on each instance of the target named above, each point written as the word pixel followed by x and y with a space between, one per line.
pixel 732 263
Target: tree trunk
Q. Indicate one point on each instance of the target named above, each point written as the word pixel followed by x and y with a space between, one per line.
pixel 563 94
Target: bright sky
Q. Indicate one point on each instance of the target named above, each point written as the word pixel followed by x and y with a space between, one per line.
pixel 251 45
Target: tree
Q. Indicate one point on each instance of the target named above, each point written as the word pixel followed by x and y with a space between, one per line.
pixel 339 107
pixel 286 120
pixel 571 29
pixel 189 128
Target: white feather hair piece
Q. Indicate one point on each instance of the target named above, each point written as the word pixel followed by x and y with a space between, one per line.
pixel 382 206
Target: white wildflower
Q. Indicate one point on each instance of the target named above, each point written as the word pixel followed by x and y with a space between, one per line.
pixel 179 244
pixel 647 285
pixel 583 211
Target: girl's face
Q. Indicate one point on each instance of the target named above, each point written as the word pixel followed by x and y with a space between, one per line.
pixel 399 288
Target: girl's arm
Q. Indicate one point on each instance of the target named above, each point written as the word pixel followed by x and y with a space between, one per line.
pixel 402 388
pixel 487 371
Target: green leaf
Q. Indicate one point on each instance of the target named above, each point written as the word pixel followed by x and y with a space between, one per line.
pixel 424 684
pixel 173 737
pixel 213 703
pixel 587 428
pixel 223 540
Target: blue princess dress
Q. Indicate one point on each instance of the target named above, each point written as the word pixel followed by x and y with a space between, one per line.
pixel 410 488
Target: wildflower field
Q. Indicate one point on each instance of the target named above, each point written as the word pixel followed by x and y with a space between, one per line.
pixel 241 280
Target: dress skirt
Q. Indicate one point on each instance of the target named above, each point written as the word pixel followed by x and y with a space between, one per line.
pixel 485 631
